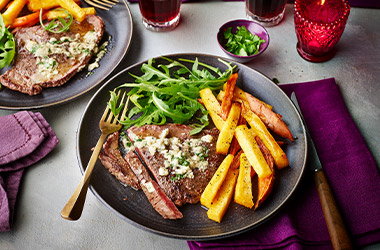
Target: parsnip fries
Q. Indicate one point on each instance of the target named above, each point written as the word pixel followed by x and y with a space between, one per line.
pixel 216 181
pixel 243 122
pixel 243 192
pixel 52 9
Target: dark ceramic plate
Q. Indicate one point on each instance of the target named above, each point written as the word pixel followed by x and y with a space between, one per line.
pixel 118 23
pixel 133 206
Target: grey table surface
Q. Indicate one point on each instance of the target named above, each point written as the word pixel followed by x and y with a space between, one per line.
pixel 48 184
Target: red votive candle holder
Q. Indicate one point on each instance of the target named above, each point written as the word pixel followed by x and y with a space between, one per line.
pixel 319 25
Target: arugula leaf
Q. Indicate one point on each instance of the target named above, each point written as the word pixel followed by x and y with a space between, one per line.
pixel 7 45
pixel 112 104
pixel 243 42
pixel 169 92
pixel 59 24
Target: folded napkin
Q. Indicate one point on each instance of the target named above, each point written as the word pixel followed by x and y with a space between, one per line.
pixel 353 3
pixel 25 138
pixel 350 168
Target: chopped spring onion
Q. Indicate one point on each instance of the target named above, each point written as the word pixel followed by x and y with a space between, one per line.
pixel 59 24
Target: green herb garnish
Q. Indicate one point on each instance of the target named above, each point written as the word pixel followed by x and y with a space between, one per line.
pixel 59 24
pixel 170 92
pixel 177 177
pixel 7 45
pixel 243 42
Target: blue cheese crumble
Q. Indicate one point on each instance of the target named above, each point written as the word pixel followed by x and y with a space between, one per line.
pixel 180 157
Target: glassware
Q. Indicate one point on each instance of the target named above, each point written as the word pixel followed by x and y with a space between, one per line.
pixel 160 15
pixel 266 12
pixel 319 25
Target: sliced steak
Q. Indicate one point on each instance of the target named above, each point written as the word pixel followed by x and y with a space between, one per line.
pixel 112 160
pixel 156 196
pixel 179 190
pixel 46 59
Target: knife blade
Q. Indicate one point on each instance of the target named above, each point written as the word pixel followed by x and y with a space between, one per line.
pixel 313 158
pixel 338 233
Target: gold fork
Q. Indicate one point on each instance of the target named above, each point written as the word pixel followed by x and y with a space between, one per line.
pixel 102 4
pixel 108 124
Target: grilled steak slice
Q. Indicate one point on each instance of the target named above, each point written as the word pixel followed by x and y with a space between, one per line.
pixel 160 202
pixel 180 190
pixel 112 160
pixel 47 59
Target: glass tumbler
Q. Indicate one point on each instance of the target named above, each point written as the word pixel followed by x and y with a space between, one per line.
pixel 266 12
pixel 160 15
pixel 319 25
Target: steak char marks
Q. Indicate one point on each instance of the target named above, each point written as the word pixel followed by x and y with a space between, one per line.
pixel 25 76
pixel 185 190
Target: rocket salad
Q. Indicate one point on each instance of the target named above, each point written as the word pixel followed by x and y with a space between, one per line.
pixel 170 91
pixel 7 45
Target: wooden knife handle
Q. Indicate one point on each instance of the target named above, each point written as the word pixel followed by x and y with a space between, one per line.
pixel 339 236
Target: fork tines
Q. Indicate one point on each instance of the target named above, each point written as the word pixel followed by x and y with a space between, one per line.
pixel 102 4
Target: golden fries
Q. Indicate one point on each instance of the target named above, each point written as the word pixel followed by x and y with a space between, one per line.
pixel 246 139
pixel 240 96
pixel 3 3
pixel 216 181
pixel 229 95
pixel 12 12
pixel 223 198
pixel 269 118
pixel 243 190
pixel 56 13
pixel 260 129
pixel 227 132
pixel 72 7
pixel 213 107
pixel 36 5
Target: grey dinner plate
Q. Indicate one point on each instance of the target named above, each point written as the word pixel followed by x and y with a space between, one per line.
pixel 134 207
pixel 118 29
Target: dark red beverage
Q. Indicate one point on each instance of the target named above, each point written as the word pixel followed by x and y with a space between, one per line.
pixel 159 11
pixel 266 11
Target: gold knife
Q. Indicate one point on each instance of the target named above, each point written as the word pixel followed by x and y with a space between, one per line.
pixel 338 233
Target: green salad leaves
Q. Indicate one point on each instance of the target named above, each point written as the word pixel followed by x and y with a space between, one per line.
pixel 169 93
pixel 243 42
pixel 7 45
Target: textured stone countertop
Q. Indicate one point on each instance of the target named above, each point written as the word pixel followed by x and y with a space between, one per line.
pixel 48 184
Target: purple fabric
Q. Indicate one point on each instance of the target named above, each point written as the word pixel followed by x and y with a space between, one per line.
pixel 25 138
pixel 350 168
pixel 353 3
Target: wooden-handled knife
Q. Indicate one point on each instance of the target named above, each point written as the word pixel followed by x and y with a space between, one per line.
pixel 338 233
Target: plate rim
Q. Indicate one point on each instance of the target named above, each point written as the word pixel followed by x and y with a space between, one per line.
pixel 98 82
pixel 194 237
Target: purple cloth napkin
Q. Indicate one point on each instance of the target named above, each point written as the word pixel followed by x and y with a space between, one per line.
pixel 350 168
pixel 25 138
pixel 353 3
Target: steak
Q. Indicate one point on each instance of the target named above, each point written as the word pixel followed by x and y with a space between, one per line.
pixel 38 66
pixel 179 190
pixel 156 196
pixel 112 160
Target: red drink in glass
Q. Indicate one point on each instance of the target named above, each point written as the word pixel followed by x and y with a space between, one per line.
pixel 267 12
pixel 160 15
pixel 319 26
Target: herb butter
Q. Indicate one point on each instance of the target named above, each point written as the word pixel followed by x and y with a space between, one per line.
pixel 75 47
